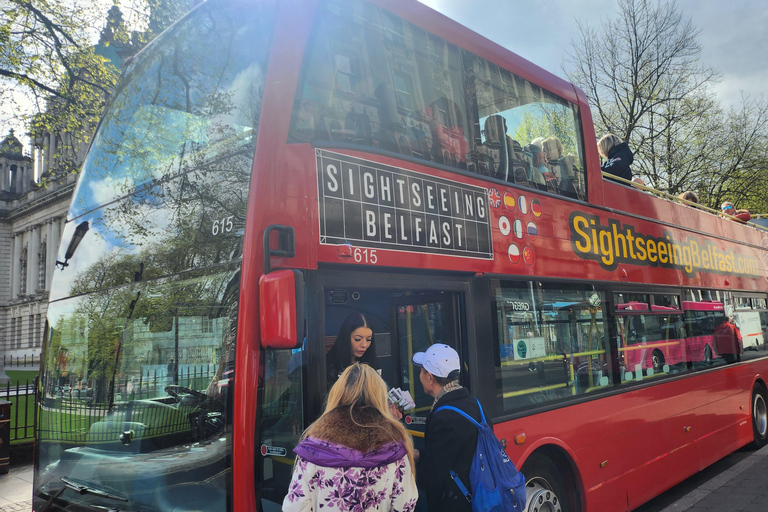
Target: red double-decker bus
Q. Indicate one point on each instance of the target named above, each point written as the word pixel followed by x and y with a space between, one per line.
pixel 267 168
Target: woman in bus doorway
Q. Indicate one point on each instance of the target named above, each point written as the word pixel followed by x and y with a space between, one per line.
pixel 355 342
pixel 356 456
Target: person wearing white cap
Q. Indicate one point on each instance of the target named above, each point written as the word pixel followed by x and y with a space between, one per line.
pixel 449 444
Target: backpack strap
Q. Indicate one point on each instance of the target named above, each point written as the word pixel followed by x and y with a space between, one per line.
pixel 470 418
pixel 482 414
pixel 461 485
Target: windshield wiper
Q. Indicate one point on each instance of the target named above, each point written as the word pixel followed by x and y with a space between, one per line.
pixel 86 489
pixel 82 489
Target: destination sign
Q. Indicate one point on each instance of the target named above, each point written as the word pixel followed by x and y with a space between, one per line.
pixel 369 204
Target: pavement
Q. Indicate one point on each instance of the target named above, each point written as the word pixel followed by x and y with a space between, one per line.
pixel 16 485
pixel 741 488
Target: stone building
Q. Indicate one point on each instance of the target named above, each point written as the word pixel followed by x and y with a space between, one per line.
pixel 33 207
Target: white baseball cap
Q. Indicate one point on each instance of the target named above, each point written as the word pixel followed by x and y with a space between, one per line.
pixel 439 360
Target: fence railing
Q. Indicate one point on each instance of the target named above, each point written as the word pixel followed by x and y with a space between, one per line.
pixel 11 361
pixel 23 417
pixel 140 405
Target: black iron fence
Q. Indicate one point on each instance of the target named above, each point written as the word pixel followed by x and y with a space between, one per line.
pixel 150 406
pixel 11 361
pixel 23 417
pixel 76 415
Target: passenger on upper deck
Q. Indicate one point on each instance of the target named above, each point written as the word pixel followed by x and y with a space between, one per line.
pixel 499 154
pixel 561 165
pixel 540 173
pixel 738 215
pixel 618 156
pixel 689 195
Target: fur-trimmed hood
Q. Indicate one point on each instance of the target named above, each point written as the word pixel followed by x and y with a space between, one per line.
pixel 346 437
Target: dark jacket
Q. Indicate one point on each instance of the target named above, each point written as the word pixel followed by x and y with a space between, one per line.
pixel 450 441
pixel 620 157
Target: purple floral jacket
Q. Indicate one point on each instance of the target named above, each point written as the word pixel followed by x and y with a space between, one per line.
pixel 332 477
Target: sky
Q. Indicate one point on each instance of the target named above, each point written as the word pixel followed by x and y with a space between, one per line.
pixel 734 33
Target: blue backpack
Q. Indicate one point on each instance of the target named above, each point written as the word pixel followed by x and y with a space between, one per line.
pixel 497 485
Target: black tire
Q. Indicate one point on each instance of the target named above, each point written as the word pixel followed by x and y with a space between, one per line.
pixel 759 416
pixel 707 354
pixel 548 487
pixel 657 358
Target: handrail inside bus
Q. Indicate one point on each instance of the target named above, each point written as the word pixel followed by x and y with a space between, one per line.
pixel 675 199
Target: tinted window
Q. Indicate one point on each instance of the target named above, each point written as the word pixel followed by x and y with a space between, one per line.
pixel 552 343
pixel 373 80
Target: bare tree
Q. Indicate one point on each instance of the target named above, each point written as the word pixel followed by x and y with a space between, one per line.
pixel 637 63
pixel 642 75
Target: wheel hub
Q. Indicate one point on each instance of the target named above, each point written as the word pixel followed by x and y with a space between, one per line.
pixel 544 501
pixel 760 415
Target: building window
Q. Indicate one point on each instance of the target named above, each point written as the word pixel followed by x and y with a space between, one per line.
pixel 23 270
pixel 12 334
pixel 207 324
pixel 38 329
pixel 18 332
pixel 41 267
pixel 31 333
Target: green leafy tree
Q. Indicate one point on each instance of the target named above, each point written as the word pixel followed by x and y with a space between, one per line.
pixel 54 79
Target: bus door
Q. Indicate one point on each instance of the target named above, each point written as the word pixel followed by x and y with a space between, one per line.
pixel 405 313
pixel 419 321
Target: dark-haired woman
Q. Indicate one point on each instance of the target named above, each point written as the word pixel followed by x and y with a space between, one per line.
pixel 354 343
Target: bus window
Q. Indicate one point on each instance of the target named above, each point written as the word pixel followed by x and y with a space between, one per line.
pixel 651 335
pixel 749 316
pixel 551 343
pixel 282 417
pixel 374 80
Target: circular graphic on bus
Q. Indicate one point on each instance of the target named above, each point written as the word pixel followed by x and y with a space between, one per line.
pixel 522 204
pixel 509 201
pixel 533 231
pixel 514 253
pixel 536 207
pixel 504 225
pixel 494 199
pixel 518 227
pixel 528 257
pixel 522 348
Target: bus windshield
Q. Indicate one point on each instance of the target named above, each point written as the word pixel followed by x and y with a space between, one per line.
pixel 136 390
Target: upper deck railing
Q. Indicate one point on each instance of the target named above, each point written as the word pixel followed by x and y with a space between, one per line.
pixel 676 199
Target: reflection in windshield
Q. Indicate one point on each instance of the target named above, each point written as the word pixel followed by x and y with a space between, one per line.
pixel 139 361
pixel 147 375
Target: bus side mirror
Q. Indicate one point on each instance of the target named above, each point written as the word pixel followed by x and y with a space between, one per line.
pixel 281 309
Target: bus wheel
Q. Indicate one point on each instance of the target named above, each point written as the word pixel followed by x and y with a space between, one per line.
pixel 547 487
pixel 657 358
pixel 707 354
pixel 759 416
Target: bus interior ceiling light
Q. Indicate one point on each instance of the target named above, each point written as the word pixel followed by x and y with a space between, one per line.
pixel 77 237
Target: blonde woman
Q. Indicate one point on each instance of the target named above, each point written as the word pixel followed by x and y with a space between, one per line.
pixel 356 456
pixel 618 156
